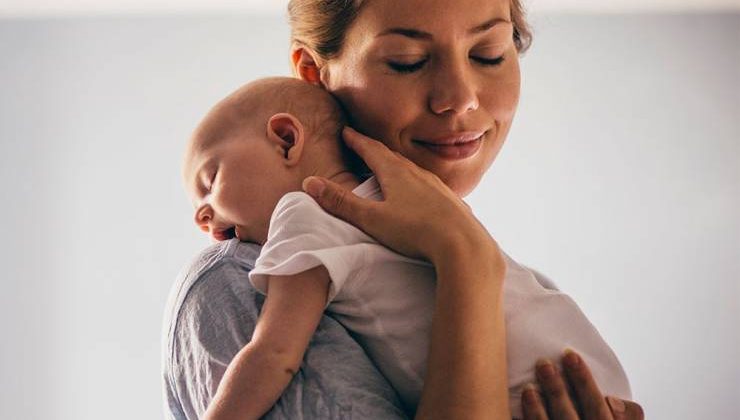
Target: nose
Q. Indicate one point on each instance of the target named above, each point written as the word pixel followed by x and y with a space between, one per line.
pixel 454 90
pixel 203 216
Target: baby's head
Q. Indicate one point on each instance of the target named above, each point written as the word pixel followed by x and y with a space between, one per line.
pixel 256 145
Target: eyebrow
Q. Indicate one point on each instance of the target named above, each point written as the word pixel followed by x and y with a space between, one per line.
pixel 418 34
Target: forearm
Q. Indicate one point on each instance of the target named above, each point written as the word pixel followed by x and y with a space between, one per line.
pixel 466 375
pixel 252 384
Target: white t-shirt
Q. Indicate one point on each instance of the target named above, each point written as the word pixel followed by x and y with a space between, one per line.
pixel 386 301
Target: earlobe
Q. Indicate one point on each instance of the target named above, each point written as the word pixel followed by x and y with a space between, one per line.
pixel 286 132
pixel 305 66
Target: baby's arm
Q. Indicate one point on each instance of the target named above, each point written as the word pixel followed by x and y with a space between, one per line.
pixel 259 373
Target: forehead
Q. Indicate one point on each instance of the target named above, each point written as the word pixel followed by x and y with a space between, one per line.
pixel 439 17
pixel 221 126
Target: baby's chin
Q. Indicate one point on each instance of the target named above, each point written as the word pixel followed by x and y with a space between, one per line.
pixel 244 235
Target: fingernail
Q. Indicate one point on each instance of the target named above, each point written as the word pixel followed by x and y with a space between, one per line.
pixel 313 186
pixel 571 359
pixel 545 368
pixel 530 394
pixel 616 404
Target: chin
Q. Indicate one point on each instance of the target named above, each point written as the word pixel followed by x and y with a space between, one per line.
pixel 461 176
pixel 462 186
pixel 456 179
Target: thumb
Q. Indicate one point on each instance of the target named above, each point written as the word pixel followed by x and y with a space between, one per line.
pixel 625 410
pixel 337 200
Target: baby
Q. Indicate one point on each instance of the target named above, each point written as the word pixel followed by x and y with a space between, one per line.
pixel 243 169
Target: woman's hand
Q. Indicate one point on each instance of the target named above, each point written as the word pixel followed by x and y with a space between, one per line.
pixel 419 217
pixel 422 218
pixel 586 402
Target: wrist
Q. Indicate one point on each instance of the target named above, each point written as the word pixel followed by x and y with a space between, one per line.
pixel 476 253
pixel 465 245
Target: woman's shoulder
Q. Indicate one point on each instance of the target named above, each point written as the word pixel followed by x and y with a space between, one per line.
pixel 516 268
pixel 211 313
pixel 221 263
pixel 211 290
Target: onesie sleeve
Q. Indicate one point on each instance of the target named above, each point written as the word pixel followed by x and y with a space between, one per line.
pixel 303 236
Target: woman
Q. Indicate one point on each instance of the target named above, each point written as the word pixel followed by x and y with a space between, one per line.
pixel 438 82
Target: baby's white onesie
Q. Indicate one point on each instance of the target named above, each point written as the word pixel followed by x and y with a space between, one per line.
pixel 386 301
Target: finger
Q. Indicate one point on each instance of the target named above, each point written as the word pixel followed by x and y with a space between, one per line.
pixel 378 157
pixel 624 410
pixel 338 201
pixel 634 411
pixel 559 404
pixel 588 395
pixel 532 406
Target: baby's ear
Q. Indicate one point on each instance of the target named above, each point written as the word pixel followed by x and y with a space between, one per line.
pixel 286 133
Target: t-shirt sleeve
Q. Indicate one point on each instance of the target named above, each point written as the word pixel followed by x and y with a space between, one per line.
pixel 303 236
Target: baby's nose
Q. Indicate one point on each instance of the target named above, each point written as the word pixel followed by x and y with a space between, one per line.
pixel 203 217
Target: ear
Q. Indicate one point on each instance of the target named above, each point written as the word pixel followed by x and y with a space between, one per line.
pixel 305 65
pixel 288 136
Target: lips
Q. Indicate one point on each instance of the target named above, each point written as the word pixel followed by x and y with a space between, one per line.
pixel 455 146
pixel 224 234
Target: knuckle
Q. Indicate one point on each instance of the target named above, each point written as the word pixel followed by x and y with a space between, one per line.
pixel 361 216
pixel 403 160
pixel 556 392
pixel 579 378
pixel 338 200
pixel 596 411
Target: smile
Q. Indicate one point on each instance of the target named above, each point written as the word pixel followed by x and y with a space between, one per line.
pixel 457 147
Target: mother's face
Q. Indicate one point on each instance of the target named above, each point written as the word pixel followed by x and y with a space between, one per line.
pixel 436 80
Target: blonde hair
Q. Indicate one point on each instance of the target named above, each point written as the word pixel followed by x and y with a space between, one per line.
pixel 321 25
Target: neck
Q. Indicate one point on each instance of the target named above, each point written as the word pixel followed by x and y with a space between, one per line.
pixel 344 178
pixel 325 160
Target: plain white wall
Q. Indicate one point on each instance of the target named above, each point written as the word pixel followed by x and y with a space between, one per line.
pixel 620 180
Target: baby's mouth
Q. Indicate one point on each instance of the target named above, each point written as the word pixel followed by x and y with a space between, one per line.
pixel 224 234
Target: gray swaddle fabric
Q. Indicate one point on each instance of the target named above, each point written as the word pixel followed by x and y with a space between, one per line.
pixel 211 314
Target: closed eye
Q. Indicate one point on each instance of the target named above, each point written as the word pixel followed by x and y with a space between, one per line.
pixel 489 61
pixel 407 67
pixel 211 181
pixel 418 65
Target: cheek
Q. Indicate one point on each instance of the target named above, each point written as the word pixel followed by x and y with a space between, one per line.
pixel 502 101
pixel 225 200
pixel 379 105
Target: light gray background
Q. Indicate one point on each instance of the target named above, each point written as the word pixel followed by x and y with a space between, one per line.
pixel 620 180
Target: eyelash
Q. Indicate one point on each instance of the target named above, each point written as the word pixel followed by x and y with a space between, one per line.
pixel 410 68
pixel 209 186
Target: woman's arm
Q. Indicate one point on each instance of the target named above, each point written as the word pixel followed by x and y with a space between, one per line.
pixel 422 218
pixel 260 372
pixel 466 372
